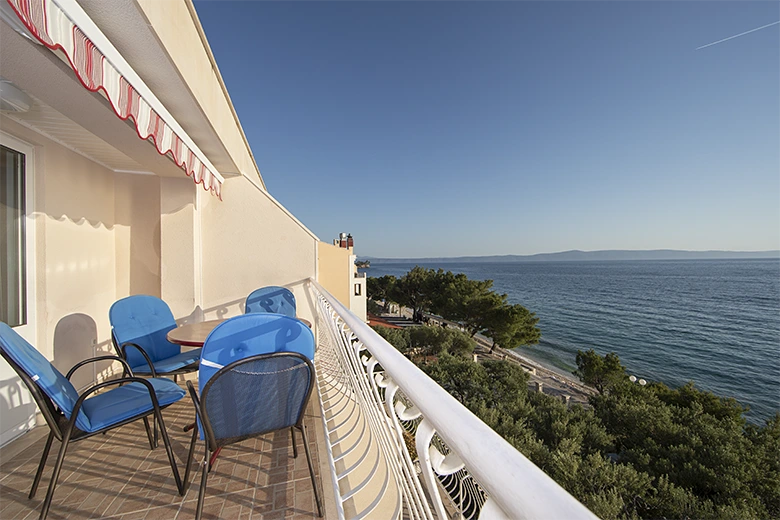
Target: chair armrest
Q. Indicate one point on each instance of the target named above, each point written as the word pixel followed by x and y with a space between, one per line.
pixel 123 349
pixel 100 358
pixel 104 384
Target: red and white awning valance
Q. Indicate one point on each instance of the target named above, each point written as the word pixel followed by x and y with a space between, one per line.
pixel 53 28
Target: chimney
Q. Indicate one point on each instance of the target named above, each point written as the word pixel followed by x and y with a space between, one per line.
pixel 350 241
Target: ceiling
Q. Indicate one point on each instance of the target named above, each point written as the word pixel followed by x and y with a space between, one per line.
pixel 47 121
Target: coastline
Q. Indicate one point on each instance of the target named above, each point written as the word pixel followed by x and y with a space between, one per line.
pixel 553 382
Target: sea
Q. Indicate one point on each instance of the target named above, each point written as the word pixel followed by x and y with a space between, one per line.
pixel 713 322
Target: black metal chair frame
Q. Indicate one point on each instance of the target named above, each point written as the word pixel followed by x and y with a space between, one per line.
pixel 65 429
pixel 214 445
pixel 121 351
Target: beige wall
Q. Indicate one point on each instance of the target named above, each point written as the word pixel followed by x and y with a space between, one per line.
pixel 335 271
pixel 179 247
pixel 137 234
pixel 249 241
pixel 97 240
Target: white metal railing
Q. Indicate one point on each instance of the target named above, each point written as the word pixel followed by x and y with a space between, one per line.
pixel 373 398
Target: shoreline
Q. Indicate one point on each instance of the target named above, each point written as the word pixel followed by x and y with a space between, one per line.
pixel 553 382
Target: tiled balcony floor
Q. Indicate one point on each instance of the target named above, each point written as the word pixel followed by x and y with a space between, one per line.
pixel 117 476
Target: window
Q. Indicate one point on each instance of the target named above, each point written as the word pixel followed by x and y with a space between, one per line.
pixel 357 289
pixel 13 272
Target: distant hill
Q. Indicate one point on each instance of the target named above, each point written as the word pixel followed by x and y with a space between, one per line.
pixel 585 256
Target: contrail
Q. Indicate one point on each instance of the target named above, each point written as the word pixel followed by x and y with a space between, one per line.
pixel 738 35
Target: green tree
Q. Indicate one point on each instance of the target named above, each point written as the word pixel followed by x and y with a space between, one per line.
pixel 511 326
pixel 461 378
pixel 459 343
pixel 480 310
pixel 399 338
pixel 373 307
pixel 426 341
pixel 381 288
pixel 415 289
pixel 638 452
pixel 423 341
pixel 465 301
pixel 600 372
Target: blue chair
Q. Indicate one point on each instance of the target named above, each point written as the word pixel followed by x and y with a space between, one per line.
pixel 139 326
pixel 278 300
pixel 255 377
pixel 72 417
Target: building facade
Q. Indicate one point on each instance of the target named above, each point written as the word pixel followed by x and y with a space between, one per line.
pixel 126 171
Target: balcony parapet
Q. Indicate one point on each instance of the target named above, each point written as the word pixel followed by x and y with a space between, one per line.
pixel 374 399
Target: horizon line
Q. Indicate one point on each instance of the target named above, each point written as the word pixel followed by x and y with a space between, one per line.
pixel 758 251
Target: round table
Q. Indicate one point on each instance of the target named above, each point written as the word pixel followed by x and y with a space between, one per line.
pixel 195 334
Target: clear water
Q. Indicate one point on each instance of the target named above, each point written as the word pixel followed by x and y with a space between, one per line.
pixel 715 322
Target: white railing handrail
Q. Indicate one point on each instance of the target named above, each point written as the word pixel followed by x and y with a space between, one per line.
pixel 517 486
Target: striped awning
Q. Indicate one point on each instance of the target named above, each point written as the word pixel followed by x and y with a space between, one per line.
pixel 54 29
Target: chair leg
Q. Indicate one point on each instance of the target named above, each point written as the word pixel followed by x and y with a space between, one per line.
pixel 203 480
pixel 168 450
pixel 311 470
pixel 190 454
pixel 149 433
pixel 295 448
pixel 42 464
pixel 56 473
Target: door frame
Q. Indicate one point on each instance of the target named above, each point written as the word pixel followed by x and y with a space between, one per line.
pixel 29 331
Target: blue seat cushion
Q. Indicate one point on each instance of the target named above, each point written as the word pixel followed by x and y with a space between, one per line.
pixel 128 401
pixel 166 366
pixel 274 299
pixel 49 379
pixel 146 321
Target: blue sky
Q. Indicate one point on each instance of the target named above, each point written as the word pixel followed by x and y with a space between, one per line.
pixel 479 128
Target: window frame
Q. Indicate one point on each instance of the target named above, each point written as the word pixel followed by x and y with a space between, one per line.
pixel 27 330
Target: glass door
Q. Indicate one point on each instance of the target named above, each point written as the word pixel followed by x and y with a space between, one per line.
pixel 17 410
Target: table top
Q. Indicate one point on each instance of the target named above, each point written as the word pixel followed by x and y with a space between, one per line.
pixel 195 334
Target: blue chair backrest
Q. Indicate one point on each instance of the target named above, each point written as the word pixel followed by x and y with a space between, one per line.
pixel 144 320
pixel 249 335
pixel 259 395
pixel 278 300
pixel 43 373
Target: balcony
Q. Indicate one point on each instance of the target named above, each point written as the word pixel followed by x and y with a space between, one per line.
pixel 387 443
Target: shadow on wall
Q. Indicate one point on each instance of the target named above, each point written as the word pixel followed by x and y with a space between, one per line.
pixel 309 301
pixel 17 408
pixel 238 306
pixel 124 206
pixel 75 339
